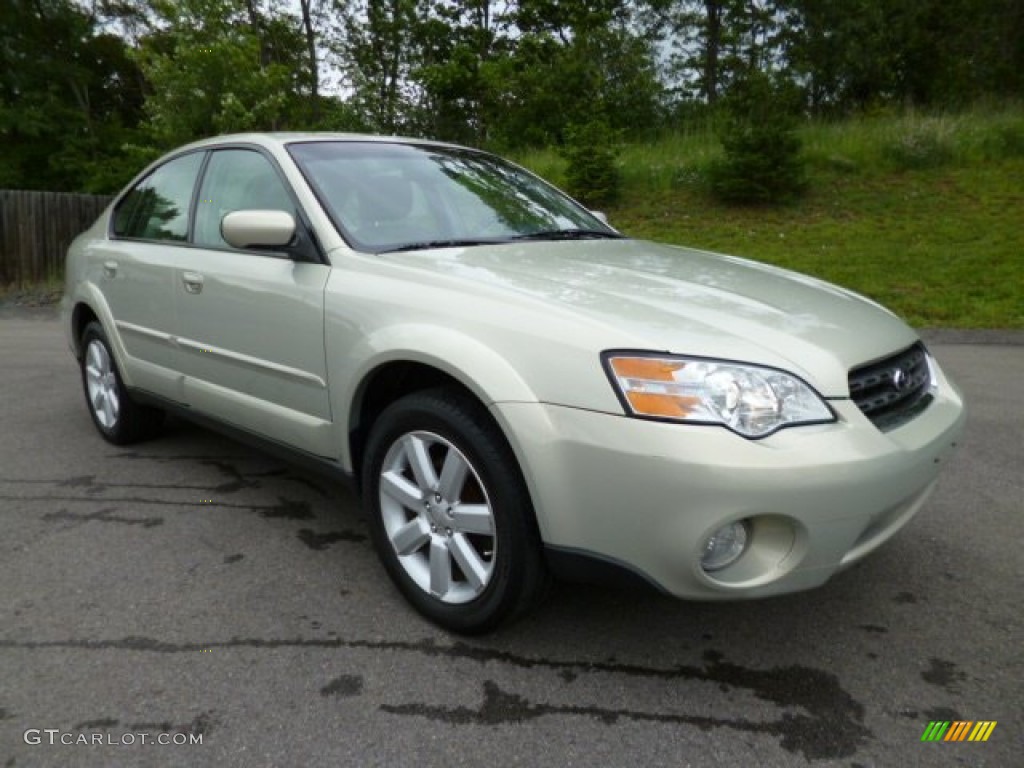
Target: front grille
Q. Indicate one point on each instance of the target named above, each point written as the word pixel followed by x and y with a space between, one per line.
pixel 892 391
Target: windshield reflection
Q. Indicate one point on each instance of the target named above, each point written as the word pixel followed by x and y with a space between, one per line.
pixel 390 197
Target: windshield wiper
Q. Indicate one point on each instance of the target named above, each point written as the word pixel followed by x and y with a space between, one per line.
pixel 427 244
pixel 546 234
pixel 570 234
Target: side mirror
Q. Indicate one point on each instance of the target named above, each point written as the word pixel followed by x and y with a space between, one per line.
pixel 258 229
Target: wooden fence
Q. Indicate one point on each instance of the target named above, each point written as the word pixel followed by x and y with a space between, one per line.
pixel 36 229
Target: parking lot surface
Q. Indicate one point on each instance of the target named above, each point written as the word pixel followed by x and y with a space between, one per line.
pixel 191 589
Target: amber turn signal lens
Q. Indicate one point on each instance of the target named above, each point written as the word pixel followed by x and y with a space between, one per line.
pixel 649 368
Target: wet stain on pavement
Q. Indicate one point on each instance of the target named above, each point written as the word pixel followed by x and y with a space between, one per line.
pixel 83 481
pixel 345 685
pixel 102 516
pixel 500 707
pixel 237 481
pixel 905 598
pixel 230 559
pixel 307 483
pixel 814 738
pixel 874 628
pixel 943 674
pixel 829 726
pixel 295 510
pixel 92 487
pixel 289 509
pixel 202 723
pixel 321 541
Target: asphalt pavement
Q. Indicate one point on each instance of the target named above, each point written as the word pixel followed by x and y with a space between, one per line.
pixel 193 590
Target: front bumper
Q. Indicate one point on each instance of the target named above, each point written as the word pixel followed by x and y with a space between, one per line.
pixel 646 495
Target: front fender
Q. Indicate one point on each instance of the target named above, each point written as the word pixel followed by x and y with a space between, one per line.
pixel 484 372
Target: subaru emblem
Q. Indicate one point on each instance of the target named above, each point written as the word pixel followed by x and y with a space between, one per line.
pixel 899 379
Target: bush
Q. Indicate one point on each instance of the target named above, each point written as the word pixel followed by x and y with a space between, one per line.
pixel 591 175
pixel 923 144
pixel 761 163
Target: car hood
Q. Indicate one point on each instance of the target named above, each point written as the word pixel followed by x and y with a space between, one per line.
pixel 685 301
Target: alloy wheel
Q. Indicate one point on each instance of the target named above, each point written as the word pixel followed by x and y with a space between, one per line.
pixel 438 517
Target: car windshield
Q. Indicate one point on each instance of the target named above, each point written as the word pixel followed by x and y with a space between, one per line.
pixel 396 197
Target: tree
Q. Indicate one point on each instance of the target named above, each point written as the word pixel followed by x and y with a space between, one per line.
pixel 761 163
pixel 458 45
pixel 69 95
pixel 716 42
pixel 378 51
pixel 213 66
pixel 851 54
pixel 573 63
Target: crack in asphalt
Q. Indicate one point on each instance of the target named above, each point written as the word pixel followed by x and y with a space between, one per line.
pixel 102 516
pixel 287 508
pixel 238 481
pixel 833 726
pixel 89 482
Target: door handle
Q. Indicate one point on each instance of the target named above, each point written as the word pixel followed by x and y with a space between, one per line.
pixel 109 269
pixel 193 282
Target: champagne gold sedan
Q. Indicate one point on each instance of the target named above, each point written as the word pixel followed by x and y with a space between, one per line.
pixel 515 389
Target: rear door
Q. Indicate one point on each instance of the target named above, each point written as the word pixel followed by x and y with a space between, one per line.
pixel 251 323
pixel 136 271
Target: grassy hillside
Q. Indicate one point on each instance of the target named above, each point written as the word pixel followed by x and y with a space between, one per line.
pixel 923 214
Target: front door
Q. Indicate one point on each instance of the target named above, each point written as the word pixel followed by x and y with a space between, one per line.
pixel 250 323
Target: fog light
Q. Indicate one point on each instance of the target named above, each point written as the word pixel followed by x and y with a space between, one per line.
pixel 725 546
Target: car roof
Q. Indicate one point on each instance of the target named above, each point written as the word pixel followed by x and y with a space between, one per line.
pixel 282 138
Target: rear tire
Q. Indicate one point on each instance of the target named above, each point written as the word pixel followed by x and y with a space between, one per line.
pixel 450 514
pixel 119 419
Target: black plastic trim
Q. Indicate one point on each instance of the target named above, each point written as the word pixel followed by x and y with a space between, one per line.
pixel 584 567
pixel 321 465
pixel 307 247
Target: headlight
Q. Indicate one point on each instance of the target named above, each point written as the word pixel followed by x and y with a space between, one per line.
pixel 749 399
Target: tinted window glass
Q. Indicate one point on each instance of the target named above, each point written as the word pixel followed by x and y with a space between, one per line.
pixel 157 208
pixel 236 180
pixel 389 196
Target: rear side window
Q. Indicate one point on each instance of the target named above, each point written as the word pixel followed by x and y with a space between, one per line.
pixel 157 207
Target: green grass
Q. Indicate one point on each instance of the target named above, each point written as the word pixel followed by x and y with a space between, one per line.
pixel 923 214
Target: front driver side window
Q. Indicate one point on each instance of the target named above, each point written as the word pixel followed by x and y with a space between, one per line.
pixel 157 207
pixel 236 180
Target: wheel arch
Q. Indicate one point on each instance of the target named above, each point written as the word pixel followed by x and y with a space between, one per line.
pixel 392 380
pixel 88 305
pixel 81 316
pixel 401 358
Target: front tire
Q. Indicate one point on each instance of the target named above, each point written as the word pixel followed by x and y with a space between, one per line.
pixel 450 514
pixel 119 419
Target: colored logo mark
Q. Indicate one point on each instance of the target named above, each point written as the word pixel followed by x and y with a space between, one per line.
pixel 958 730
